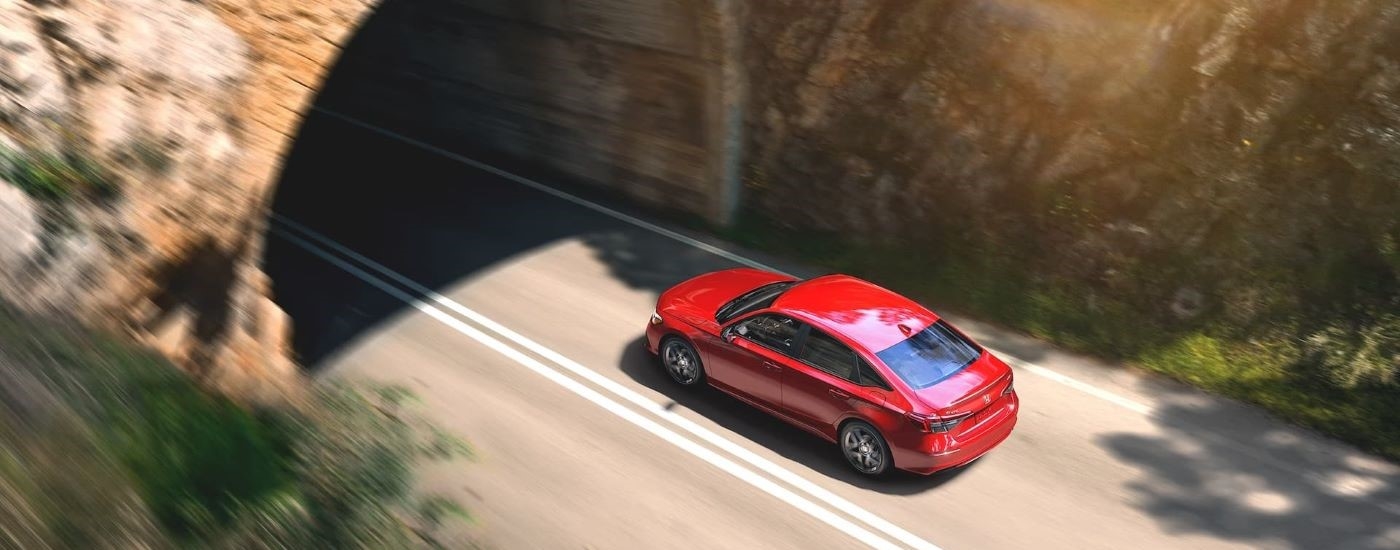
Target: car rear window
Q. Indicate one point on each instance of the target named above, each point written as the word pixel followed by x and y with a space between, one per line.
pixel 930 355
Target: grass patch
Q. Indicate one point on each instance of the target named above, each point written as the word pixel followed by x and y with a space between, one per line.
pixel 196 457
pixel 57 176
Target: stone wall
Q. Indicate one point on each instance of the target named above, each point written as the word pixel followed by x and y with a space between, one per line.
pixel 153 92
pixel 293 45
pixel 1218 150
pixel 626 94
pixel 1174 157
pixel 640 96
pixel 194 106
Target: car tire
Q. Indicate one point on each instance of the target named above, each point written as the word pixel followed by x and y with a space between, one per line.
pixel 864 448
pixel 681 361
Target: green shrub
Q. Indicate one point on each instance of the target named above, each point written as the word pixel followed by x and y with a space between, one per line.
pixel 1353 354
pixel 353 454
pixel 197 457
pixel 57 176
pixel 152 460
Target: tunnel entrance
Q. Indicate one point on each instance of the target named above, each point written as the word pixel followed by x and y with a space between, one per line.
pixel 625 95
pixel 614 99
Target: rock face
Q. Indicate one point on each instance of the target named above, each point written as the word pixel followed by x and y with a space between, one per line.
pixel 1188 156
pixel 20 224
pixel 153 90
pixel 1157 148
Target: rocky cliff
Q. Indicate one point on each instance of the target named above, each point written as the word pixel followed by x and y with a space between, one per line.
pixel 1176 160
pixel 1181 157
pixel 150 93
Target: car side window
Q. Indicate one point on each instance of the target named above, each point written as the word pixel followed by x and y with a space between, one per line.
pixel 868 377
pixel 774 331
pixel 830 355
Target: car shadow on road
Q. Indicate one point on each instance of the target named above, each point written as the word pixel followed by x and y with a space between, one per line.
pixel 1218 469
pixel 771 433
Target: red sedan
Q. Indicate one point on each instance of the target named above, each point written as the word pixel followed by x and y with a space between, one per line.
pixel 887 379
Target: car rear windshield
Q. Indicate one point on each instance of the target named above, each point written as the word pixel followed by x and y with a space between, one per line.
pixel 760 297
pixel 929 356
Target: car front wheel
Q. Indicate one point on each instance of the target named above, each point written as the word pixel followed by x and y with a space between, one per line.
pixel 682 362
pixel 864 448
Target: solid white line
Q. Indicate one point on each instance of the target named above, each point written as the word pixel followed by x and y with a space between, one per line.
pixel 1140 408
pixel 1038 370
pixel 744 474
pixel 731 256
pixel 626 394
pixel 522 180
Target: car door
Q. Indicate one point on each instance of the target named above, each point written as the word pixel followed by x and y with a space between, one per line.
pixel 826 385
pixel 750 362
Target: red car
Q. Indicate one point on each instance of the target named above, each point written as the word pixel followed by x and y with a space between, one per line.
pixel 887 379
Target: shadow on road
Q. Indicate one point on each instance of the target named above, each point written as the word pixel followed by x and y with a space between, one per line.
pixel 441 223
pixel 428 217
pixel 1195 479
pixel 771 433
pixel 432 218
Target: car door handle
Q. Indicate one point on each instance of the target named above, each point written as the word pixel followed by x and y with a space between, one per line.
pixel 772 366
pixel 839 394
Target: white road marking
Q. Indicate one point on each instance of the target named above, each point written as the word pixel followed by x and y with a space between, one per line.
pixel 1027 366
pixel 818 512
pixel 625 393
pixel 1135 406
pixel 731 256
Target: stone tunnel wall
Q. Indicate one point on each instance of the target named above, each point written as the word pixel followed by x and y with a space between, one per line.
pixel 627 94
pixel 632 95
pixel 294 45
pixel 194 106
pixel 637 96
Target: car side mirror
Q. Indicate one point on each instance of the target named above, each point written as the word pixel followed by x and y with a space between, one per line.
pixel 727 334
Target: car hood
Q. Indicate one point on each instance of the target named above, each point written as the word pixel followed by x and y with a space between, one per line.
pixel 696 300
pixel 964 391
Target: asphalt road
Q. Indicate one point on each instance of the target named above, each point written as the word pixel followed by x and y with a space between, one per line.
pixel 529 346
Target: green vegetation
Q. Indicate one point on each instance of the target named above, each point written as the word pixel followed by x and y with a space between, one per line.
pixel 1335 372
pixel 56 176
pixel 105 445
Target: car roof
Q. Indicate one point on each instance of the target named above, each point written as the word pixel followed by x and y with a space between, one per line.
pixel 866 314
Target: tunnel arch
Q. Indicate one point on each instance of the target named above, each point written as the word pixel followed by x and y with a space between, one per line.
pixel 643 97
pixel 638 100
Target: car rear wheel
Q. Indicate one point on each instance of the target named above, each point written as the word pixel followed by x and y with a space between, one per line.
pixel 682 362
pixel 864 448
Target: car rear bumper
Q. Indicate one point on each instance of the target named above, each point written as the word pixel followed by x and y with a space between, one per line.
pixel 933 452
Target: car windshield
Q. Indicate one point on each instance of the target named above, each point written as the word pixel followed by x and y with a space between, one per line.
pixel 759 297
pixel 928 357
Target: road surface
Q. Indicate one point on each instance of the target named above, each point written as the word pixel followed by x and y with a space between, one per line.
pixel 516 315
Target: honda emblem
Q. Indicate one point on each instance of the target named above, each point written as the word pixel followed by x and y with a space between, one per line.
pixel 987 399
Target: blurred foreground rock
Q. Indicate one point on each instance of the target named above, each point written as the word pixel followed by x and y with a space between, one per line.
pixel 154 92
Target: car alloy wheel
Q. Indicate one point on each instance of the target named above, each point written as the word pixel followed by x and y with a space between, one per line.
pixel 864 448
pixel 681 362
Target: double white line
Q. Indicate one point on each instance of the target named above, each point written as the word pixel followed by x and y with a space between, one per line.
pixel 867 528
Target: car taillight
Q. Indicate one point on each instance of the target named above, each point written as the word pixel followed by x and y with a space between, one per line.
pixel 1009 384
pixel 938 424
